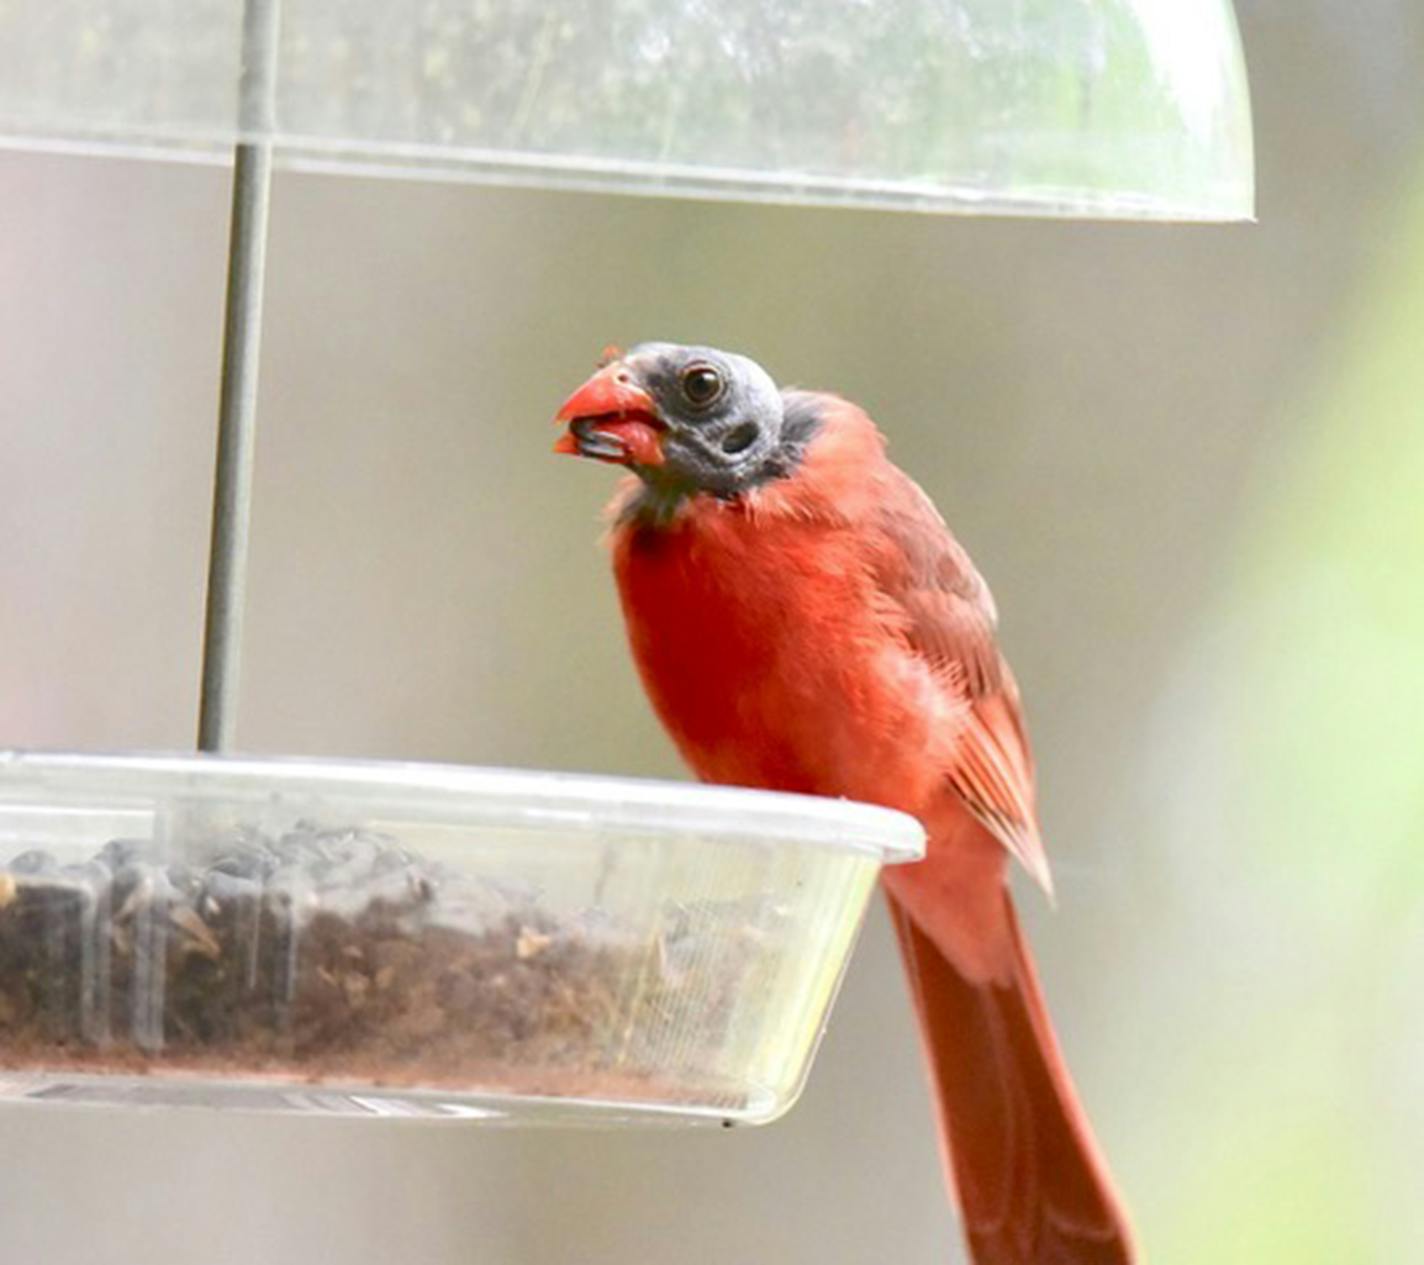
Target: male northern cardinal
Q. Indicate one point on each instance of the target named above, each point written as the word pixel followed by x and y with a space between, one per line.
pixel 803 621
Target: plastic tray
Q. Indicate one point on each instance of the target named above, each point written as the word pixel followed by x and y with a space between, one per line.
pixel 420 940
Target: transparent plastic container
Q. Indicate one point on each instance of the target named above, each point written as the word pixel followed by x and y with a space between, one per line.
pixel 387 939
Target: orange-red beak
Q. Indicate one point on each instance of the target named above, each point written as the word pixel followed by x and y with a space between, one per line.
pixel 611 418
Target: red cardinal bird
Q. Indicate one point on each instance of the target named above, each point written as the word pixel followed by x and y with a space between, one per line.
pixel 803 621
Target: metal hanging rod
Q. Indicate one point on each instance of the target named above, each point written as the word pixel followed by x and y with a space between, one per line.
pixel 237 410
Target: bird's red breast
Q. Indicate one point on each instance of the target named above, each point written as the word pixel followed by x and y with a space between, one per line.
pixel 751 622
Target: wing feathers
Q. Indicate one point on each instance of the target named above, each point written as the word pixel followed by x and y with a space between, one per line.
pixel 946 614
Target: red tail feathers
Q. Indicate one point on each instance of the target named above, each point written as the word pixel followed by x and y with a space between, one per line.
pixel 1031 1184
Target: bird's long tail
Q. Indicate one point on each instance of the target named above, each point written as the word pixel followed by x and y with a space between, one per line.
pixel 1032 1186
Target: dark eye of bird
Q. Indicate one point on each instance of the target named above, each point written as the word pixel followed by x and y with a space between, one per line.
pixel 701 384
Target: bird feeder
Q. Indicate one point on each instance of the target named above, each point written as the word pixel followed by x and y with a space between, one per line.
pixel 379 939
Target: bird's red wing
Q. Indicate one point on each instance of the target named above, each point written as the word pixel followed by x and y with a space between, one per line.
pixel 948 618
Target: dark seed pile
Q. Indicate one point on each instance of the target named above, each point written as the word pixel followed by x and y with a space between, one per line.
pixel 330 954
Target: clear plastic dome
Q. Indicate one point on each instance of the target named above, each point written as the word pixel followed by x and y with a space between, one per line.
pixel 1118 108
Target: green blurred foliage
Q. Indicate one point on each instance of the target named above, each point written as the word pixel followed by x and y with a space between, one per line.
pixel 1306 695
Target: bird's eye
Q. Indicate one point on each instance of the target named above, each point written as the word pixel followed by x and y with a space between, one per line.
pixel 701 384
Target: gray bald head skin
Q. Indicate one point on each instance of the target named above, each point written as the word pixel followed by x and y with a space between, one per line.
pixel 729 426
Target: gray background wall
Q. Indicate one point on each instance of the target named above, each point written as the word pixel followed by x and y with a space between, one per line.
pixel 1114 418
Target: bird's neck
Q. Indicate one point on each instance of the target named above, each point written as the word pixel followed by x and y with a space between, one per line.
pixel 655 504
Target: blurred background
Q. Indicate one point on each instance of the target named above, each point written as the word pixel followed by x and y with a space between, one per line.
pixel 1189 460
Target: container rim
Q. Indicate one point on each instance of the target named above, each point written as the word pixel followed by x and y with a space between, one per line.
pixel 466 794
